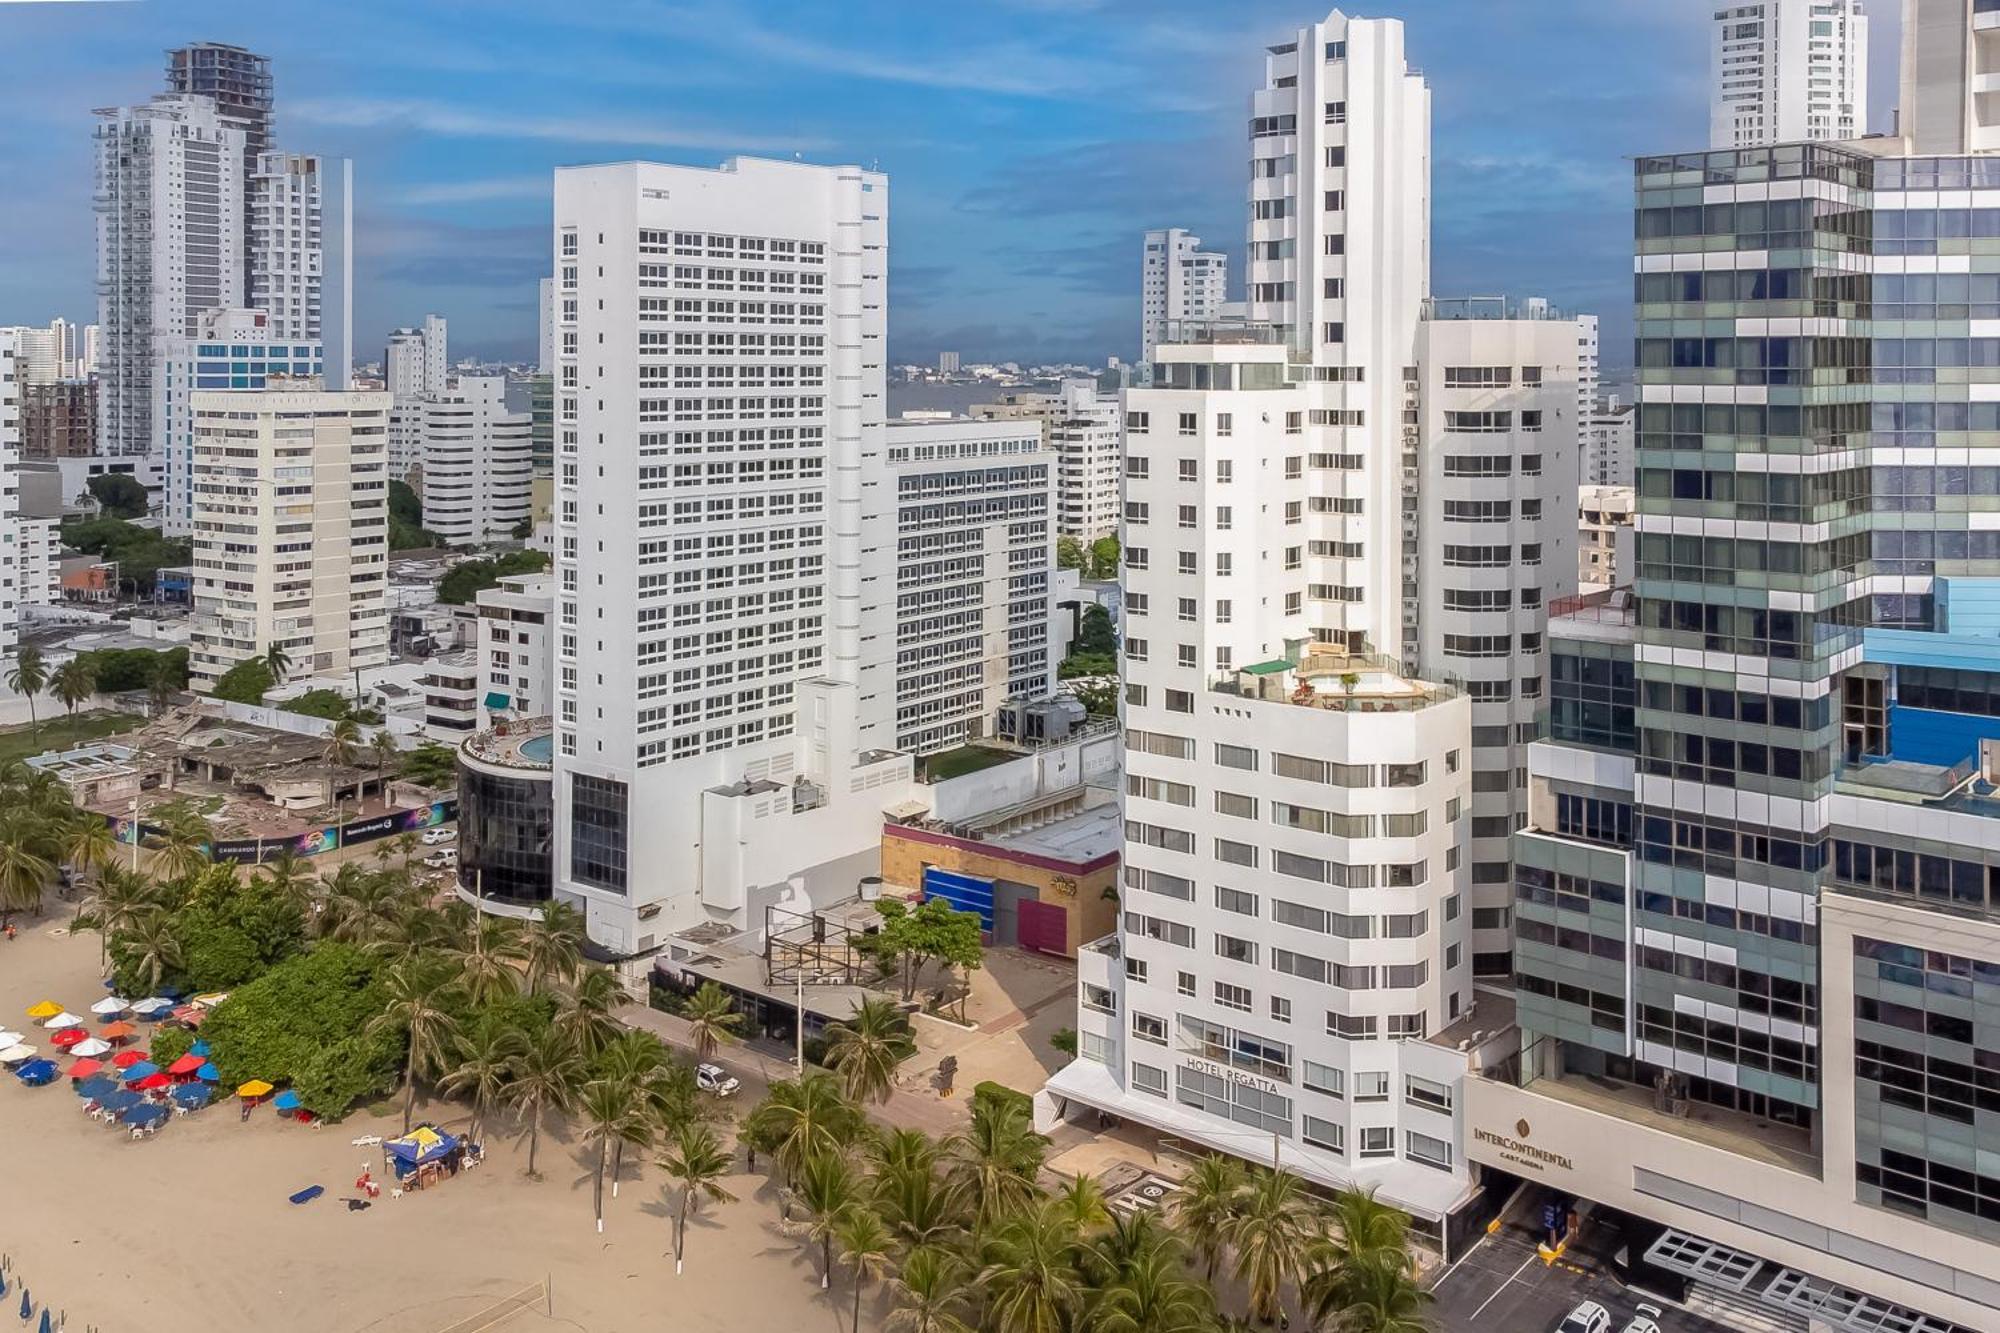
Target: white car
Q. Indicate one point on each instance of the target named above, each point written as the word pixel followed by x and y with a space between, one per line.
pixel 715 1079
pixel 1646 1320
pixel 1589 1317
pixel 434 836
pixel 443 856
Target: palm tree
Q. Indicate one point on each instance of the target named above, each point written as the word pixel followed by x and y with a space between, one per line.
pixel 1272 1234
pixel 154 950
pixel 1367 1242
pixel 487 1060
pixel 864 1245
pixel 183 841
pixel 487 959
pixel 993 1164
pixel 697 1162
pixel 27 677
pixel 421 996
pixel 803 1119
pixel 865 1048
pixel 712 1019
pixel 1081 1200
pixel 25 862
pixel 1372 1298
pixel 117 900
pixel 827 1189
pixel 908 1194
pixel 549 1073
pixel 162 682
pixel 928 1293
pixel 406 846
pixel 278 662
pixel 1206 1205
pixel 414 931
pixel 343 738
pixel 1030 1277
pixel 72 683
pixel 87 844
pixel 553 948
pixel 360 908
pixel 382 748
pixel 290 875
pixel 585 1011
pixel 612 1112
pixel 1151 1293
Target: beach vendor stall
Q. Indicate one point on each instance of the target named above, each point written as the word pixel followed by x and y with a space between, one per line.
pixel 424 1157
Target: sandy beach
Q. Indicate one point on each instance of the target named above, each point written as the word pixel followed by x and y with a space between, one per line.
pixel 191 1231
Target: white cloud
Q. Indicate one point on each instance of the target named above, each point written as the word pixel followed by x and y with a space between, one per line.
pixel 464 122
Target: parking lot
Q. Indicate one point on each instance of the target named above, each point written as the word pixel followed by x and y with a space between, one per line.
pixel 1502 1286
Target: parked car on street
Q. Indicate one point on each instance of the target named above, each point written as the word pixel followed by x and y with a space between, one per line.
pixel 1645 1320
pixel 434 836
pixel 715 1079
pixel 1588 1317
pixel 443 856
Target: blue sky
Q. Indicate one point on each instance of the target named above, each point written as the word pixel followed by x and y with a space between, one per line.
pixel 1029 142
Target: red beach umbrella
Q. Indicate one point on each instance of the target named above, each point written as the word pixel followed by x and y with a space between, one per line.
pixel 126 1059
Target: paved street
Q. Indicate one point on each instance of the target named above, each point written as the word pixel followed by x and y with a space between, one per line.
pixel 1502 1286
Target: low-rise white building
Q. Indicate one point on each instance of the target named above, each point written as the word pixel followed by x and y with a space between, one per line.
pixel 516 648
pixel 477 464
pixel 968 626
pixel 1604 553
pixel 291 529
pixel 451 697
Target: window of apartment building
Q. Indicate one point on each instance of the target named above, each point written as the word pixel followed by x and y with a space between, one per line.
pixel 1408 1025
pixel 1188 516
pixel 1378 1141
pixel 1325 1134
pixel 1235 900
pixel 1351 1027
pixel 1186 655
pixel 1371 1085
pixel 1136 603
pixel 1184 984
pixel 1136 511
pixel 1137 557
pixel 1232 997
pixel 1478 377
pixel 1189 424
pixel 1335 201
pixel 1149 1079
pixel 1334 243
pixel 1147 1027
pixel 1135 650
pixel 1187 562
pixel 1098 998
pixel 598 819
pixel 1324 1078
pixel 1225 423
pixel 1425 1150
pixel 1138 422
pixel 1138 467
pixel 1426 1093
pixel 1135 968
pixel 1234 949
pixel 1190 470
pixel 1336 113
pixel 1531 375
pixel 1224 564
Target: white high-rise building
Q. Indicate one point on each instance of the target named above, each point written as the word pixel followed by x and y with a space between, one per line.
pixel 413 366
pixel 517 648
pixel 1330 664
pixel 719 400
pixel 291 530
pixel 545 360
pixel 1087 434
pixel 11 572
pixel 1496 533
pixel 973 540
pixel 1178 281
pixel 1607 447
pixel 478 469
pixel 1587 378
pixel 1785 71
pixel 231 349
pixel 93 340
pixel 170 246
pixel 38 352
pixel 302 244
pixel 68 353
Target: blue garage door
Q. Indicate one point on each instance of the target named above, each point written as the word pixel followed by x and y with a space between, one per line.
pixel 965 893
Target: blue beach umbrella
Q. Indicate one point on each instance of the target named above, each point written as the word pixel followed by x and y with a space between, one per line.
pixel 92 1089
pixel 119 1102
pixel 191 1095
pixel 208 1073
pixel 45 1320
pixel 286 1100
pixel 199 1048
pixel 27 1306
pixel 134 1073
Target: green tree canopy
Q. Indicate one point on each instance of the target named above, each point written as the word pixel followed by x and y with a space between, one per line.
pixel 1094 632
pixel 140 552
pixel 1069 553
pixel 299 1024
pixel 930 933
pixel 466 581
pixel 406 520
pixel 245 683
pixel 120 495
pixel 226 931
pixel 1104 558
pixel 117 670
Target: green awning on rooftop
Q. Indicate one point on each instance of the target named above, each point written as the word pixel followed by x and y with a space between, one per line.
pixel 496 700
pixel 1267 668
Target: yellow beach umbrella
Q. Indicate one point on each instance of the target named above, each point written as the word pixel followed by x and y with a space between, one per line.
pixel 256 1087
pixel 46 1009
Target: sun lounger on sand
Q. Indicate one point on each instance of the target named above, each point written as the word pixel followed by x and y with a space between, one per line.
pixel 309 1193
